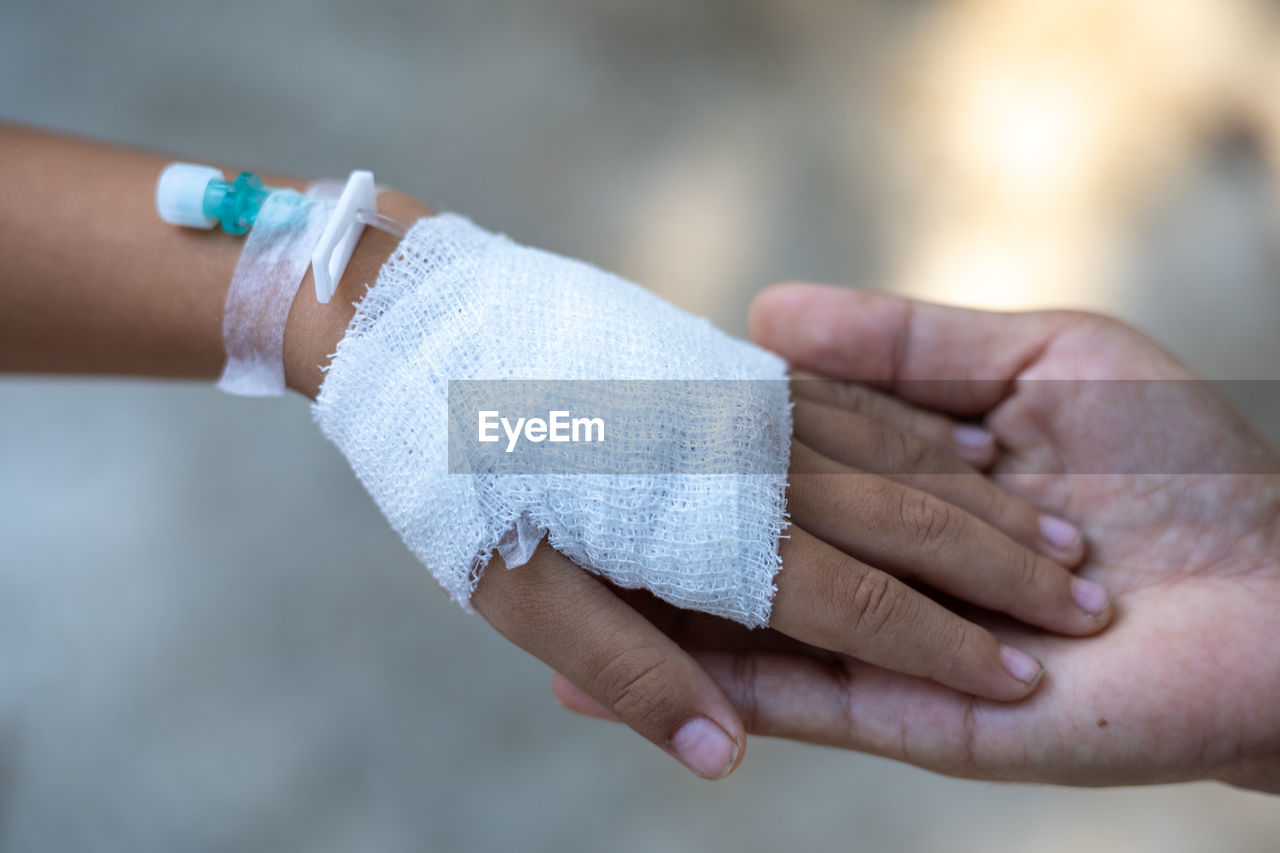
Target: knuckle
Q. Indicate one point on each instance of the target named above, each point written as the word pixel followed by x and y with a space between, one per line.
pixel 927 522
pixel 1028 570
pixel 637 685
pixel 873 602
pixel 1025 585
pixel 913 454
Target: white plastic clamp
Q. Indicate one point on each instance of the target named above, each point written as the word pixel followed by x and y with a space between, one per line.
pixel 342 232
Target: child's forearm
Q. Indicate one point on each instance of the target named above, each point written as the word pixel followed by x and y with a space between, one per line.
pixel 95 282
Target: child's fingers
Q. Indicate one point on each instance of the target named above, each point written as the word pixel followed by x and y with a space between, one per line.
pixel 573 698
pixel 559 613
pixel 971 443
pixel 918 536
pixel 828 599
pixel 867 444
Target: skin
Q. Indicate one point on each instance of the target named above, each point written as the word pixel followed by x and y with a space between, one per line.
pixel 94 282
pixel 1186 683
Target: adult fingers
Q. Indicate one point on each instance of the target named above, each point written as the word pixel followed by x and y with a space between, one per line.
pixel 867 444
pixel 950 359
pixel 853 705
pixel 917 536
pixel 847 704
pixel 831 600
pixel 570 620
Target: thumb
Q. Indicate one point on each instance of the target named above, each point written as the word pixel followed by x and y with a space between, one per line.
pixel 950 359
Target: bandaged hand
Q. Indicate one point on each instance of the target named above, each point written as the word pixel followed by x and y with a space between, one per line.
pixel 89 306
pixel 457 303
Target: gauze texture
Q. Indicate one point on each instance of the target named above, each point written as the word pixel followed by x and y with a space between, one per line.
pixel 457 302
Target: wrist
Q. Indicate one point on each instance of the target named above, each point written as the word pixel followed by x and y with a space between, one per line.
pixel 313 329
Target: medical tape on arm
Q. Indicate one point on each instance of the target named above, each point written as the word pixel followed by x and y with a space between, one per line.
pixel 272 265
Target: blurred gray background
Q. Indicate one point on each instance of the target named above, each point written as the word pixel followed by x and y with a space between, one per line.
pixel 210 640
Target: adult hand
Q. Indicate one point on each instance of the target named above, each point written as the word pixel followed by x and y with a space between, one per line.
pixel 854 538
pixel 1179 501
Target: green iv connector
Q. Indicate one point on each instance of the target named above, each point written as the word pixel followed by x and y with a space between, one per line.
pixel 235 204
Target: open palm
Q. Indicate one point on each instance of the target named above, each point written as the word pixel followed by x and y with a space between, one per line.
pixel 1179 502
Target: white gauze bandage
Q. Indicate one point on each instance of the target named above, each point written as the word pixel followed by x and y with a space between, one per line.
pixel 456 302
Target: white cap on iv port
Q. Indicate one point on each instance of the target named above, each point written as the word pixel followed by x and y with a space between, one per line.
pixel 180 194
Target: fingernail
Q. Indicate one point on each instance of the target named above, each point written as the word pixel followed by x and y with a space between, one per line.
pixel 705 748
pixel 972 436
pixel 1059 533
pixel 1021 665
pixel 1089 596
